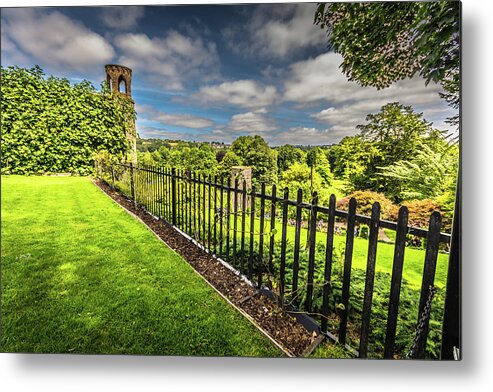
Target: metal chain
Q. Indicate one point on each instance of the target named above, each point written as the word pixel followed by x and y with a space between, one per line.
pixel 425 316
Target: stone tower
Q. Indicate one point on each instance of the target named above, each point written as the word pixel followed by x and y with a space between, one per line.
pixel 119 80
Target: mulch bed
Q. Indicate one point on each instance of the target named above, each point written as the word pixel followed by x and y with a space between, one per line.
pixel 282 327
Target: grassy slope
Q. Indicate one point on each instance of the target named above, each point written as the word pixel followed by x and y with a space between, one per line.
pixel 413 260
pixel 80 275
pixel 413 257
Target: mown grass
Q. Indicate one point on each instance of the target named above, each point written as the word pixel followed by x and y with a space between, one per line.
pixel 80 275
pixel 413 257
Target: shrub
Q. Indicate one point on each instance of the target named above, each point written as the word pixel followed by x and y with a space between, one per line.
pixel 365 201
pixel 420 211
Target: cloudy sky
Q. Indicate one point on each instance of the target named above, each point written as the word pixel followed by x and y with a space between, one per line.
pixel 213 72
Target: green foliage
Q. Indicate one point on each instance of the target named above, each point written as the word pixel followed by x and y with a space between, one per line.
pixel 430 173
pixel 351 159
pixel 201 159
pixel 390 156
pixel 395 133
pixel 287 155
pixel 299 176
pixel 220 154
pixel 198 157
pixel 317 160
pixel 395 130
pixel 151 145
pixel 225 167
pixel 51 126
pixel 255 152
pixel 364 231
pixel 388 41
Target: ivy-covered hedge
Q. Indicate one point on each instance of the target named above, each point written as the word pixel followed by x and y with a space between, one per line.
pixel 52 126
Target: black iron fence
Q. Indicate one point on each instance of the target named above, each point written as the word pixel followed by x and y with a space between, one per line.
pixel 301 254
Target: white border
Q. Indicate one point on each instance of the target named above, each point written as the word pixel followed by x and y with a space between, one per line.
pixel 127 373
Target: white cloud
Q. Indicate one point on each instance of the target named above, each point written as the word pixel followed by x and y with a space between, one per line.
pixel 305 136
pixel 148 113
pixel 171 60
pixel 184 120
pixel 251 122
pixel 243 93
pixel 53 39
pixel 121 18
pixel 214 136
pixel 320 80
pixel 276 30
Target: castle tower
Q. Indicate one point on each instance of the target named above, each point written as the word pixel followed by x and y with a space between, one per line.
pixel 119 80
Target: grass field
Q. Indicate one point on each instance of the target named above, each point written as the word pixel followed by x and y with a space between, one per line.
pixel 413 257
pixel 80 275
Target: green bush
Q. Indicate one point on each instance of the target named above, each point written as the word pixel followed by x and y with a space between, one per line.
pixel 52 126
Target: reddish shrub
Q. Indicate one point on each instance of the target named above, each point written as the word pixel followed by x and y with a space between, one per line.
pixel 365 201
pixel 420 211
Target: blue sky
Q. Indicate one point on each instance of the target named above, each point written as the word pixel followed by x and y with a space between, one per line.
pixel 212 72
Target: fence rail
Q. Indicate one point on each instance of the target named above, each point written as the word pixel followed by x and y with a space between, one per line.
pixel 297 264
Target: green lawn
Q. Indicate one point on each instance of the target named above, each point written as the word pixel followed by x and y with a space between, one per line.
pixel 80 275
pixel 413 257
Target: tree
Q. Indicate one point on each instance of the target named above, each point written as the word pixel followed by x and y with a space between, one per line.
pixel 389 41
pixel 352 158
pixel 151 145
pixel 428 174
pixel 225 167
pixel 300 176
pixel 201 159
pixel 287 155
pixel 220 154
pixel 317 160
pixel 255 152
pixel 395 134
pixel 395 131
pixel 50 125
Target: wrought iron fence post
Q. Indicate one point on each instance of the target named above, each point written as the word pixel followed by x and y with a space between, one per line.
pixel 132 185
pixel 451 332
pixel 173 196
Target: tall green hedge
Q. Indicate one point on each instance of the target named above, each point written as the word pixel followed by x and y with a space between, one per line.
pixel 52 126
